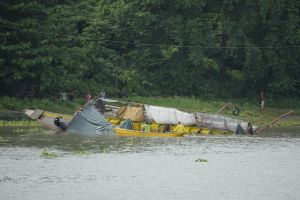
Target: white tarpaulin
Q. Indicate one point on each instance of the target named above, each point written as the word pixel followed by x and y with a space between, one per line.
pixel 164 115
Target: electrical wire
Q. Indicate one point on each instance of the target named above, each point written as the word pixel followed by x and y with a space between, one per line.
pixel 158 45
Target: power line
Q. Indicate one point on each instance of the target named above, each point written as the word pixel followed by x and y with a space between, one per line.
pixel 241 23
pixel 213 21
pixel 159 45
pixel 276 21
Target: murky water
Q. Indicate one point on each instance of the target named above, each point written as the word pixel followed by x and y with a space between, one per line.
pixel 110 167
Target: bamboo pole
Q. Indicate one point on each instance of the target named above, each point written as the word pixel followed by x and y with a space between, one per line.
pixel 225 106
pixel 273 122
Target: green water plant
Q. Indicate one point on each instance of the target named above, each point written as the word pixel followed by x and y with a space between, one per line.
pixel 201 160
pixel 79 151
pixel 19 123
pixel 47 154
pixel 27 130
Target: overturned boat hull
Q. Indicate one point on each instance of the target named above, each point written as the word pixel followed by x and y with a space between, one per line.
pixel 220 122
pixel 46 118
pixel 88 121
pixel 139 113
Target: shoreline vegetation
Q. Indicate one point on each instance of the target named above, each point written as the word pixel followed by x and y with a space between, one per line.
pixel 249 109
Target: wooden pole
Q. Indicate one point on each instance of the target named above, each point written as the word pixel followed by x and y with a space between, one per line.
pixel 225 106
pixel 273 122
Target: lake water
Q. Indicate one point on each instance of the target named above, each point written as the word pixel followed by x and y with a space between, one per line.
pixel 265 167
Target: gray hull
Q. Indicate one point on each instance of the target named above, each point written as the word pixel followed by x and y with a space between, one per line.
pixel 220 122
pixel 88 121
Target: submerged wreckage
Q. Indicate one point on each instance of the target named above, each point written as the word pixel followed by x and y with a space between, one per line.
pixel 86 121
pixel 140 120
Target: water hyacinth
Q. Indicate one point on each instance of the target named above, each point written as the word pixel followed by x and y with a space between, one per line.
pixel 78 151
pixel 19 123
pixel 201 160
pixel 47 154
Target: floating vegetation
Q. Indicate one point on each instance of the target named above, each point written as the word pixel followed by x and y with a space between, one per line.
pixel 79 151
pixel 220 132
pixel 19 123
pixel 31 130
pixel 3 140
pixel 201 160
pixel 48 155
pixel 131 141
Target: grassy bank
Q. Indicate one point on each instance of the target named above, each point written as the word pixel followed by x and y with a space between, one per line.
pixel 54 105
pixel 249 109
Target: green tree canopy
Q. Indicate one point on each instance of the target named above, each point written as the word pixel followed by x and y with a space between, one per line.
pixel 204 48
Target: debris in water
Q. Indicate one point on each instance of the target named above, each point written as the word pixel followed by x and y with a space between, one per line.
pixel 201 160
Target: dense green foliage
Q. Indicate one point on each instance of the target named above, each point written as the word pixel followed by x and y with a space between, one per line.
pixel 206 48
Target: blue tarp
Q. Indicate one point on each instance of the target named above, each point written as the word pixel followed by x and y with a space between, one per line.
pixel 127 124
pixel 89 121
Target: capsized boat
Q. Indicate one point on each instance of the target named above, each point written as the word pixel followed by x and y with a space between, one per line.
pixel 87 121
pixel 46 118
pixel 158 115
pixel 156 127
pixel 221 122
pixel 138 115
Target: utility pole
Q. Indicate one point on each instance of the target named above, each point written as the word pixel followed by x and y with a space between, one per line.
pixel 117 77
pixel 224 39
pixel 118 70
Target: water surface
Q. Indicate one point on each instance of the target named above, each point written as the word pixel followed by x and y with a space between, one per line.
pixel 111 167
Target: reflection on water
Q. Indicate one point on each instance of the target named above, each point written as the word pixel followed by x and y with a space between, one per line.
pixel 112 167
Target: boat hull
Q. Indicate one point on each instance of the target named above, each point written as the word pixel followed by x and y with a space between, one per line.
pixel 87 121
pixel 46 118
pixel 125 132
pixel 154 126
